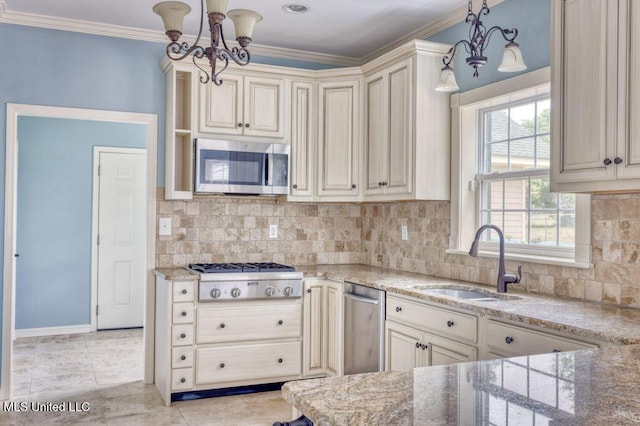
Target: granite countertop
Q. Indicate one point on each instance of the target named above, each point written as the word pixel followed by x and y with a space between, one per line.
pixel 176 274
pixel 604 323
pixel 589 387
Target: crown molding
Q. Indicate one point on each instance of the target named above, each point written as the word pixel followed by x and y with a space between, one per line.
pixel 447 21
pixel 109 30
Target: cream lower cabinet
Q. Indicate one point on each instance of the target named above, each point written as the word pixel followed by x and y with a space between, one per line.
pixel 596 138
pixel 322 328
pixel 506 340
pixel 420 335
pixel 244 105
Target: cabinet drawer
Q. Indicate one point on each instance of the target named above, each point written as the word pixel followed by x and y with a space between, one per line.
pixel 183 291
pixel 181 379
pixel 182 335
pixel 182 357
pixel 513 340
pixel 442 321
pixel 248 362
pixel 238 323
pixel 183 313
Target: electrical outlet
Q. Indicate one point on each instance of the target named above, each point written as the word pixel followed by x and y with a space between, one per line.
pixel 164 226
pixel 273 231
pixel 405 233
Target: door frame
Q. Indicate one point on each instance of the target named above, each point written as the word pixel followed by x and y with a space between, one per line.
pixel 10 205
pixel 95 195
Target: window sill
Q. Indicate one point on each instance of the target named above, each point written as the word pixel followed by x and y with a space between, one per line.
pixel 527 258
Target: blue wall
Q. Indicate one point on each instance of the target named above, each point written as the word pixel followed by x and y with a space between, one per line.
pixel 55 163
pixel 533 21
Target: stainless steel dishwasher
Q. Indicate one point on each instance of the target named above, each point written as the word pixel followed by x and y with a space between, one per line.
pixel 364 315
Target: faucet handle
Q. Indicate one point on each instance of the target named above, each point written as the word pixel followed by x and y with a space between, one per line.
pixel 513 278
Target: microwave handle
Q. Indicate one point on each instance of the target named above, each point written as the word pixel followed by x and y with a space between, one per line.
pixel 267 169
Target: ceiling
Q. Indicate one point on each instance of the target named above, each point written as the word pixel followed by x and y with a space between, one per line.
pixel 348 28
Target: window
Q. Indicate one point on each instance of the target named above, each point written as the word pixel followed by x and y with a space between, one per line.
pixel 513 177
pixel 500 167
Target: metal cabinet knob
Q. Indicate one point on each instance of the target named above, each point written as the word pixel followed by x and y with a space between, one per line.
pixel 280 322
pixel 222 365
pixel 222 325
pixel 295 186
pixel 606 161
pixel 417 345
pixel 184 291
pixel 183 335
pixel 424 347
pixel 309 290
pixel 239 124
pixel 556 350
pixel 280 360
pixel 246 125
pixel 617 160
pixel 353 186
pixel 508 340
pixel 184 314
pixel 398 308
pixel 449 323
pixel 183 380
pixel 183 357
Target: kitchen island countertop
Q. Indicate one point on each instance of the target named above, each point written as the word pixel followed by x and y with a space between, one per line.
pixel 588 387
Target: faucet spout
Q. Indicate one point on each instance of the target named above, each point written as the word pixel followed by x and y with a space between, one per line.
pixel 503 277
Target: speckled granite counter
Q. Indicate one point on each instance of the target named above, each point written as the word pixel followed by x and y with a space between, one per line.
pixel 176 274
pixel 590 320
pixel 591 387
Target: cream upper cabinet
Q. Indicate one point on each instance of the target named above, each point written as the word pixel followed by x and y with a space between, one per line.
pixel 596 145
pixel 244 105
pixel 303 107
pixel 339 140
pixel 407 146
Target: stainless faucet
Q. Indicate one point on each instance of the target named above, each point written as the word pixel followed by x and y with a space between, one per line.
pixel 503 277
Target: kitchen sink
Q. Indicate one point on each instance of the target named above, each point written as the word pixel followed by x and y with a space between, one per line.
pixel 466 293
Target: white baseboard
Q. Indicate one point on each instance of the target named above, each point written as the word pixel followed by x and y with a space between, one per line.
pixel 52 331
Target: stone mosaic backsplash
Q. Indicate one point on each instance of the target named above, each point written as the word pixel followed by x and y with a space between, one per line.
pixel 234 229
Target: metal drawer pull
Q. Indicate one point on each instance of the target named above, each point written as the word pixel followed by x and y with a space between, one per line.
pixel 280 360
pixel 183 357
pixel 424 347
pixel 184 291
pixel 183 335
pixel 309 290
pixel 449 323
pixel 184 314
pixel 280 322
pixel 398 308
pixel 222 325
pixel 362 299
pixel 417 345
pixel 556 350
pixel 183 380
pixel 222 365
pixel 508 340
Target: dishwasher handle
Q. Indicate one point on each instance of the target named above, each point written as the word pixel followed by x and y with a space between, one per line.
pixel 362 299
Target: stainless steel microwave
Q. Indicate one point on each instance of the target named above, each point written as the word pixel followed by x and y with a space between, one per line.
pixel 241 167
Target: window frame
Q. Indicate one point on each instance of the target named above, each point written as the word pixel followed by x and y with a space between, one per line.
pixel 465 156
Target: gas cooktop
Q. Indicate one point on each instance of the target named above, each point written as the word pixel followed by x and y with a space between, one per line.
pixel 213 268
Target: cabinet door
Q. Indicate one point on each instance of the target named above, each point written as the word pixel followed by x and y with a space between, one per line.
pixel 334 328
pixel 584 113
pixel 444 351
pixel 263 107
pixel 313 324
pixel 403 347
pixel 339 139
pixel 376 136
pixel 221 106
pixel 629 94
pixel 398 168
pixel 302 139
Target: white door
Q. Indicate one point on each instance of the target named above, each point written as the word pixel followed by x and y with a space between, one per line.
pixel 121 239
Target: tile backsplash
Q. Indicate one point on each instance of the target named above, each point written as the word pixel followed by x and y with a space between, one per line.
pixel 228 229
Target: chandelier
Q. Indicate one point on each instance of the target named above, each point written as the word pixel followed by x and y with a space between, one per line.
pixel 173 13
pixel 478 41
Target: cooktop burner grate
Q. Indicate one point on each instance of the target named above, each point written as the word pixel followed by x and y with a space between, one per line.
pixel 212 268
